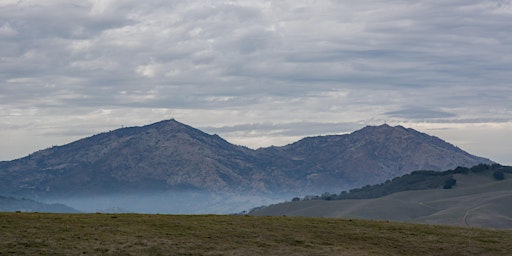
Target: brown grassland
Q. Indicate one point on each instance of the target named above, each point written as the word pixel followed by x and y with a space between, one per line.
pixel 144 234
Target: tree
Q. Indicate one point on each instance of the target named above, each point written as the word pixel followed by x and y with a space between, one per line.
pixel 328 196
pixel 461 169
pixel 499 175
pixel 480 168
pixel 449 183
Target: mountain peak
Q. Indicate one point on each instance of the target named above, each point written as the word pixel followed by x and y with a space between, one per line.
pixel 169 122
pixel 172 126
pixel 380 129
pixel 383 126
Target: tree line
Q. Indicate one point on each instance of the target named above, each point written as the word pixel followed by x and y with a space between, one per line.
pixel 417 180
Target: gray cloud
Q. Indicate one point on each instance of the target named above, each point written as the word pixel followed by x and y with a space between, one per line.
pixel 289 129
pixel 413 112
pixel 290 67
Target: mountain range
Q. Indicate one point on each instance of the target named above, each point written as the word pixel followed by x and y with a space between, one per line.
pixel 171 156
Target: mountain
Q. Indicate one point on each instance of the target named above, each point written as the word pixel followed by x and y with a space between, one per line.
pixel 11 204
pixel 367 156
pixel 171 156
pixel 477 197
pixel 161 156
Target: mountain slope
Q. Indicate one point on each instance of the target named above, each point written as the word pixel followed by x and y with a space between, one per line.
pixel 169 155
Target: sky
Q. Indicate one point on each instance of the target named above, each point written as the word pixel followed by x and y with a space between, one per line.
pixel 257 73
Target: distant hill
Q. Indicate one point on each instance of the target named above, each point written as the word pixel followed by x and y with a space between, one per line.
pixel 171 156
pixel 480 196
pixel 11 204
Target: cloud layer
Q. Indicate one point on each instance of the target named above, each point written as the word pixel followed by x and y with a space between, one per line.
pixel 256 72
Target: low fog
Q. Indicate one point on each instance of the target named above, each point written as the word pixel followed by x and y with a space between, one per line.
pixel 169 202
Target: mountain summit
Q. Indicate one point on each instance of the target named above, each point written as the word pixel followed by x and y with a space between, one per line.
pixel 171 156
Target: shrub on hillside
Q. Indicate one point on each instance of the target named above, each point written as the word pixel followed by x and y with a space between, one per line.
pixel 449 183
pixel 461 169
pixel 499 175
pixel 480 168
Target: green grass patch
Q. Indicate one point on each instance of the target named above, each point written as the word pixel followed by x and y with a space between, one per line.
pixel 140 234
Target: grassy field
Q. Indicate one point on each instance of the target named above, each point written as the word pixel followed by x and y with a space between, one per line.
pixel 137 234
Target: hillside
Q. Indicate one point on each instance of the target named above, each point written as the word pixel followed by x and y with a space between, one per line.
pixel 417 180
pixel 476 200
pixel 171 156
pixel 132 234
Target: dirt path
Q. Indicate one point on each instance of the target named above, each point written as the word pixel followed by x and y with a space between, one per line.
pixel 465 218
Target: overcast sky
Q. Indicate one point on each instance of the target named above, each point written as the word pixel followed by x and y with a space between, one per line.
pixel 257 73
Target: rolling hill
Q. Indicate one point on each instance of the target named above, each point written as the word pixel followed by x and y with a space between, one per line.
pixel 476 200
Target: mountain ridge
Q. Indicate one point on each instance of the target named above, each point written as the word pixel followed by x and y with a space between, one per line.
pixel 169 155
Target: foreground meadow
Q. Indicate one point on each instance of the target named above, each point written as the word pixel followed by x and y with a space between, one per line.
pixel 140 234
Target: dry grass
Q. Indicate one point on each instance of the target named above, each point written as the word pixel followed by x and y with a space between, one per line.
pixel 137 234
